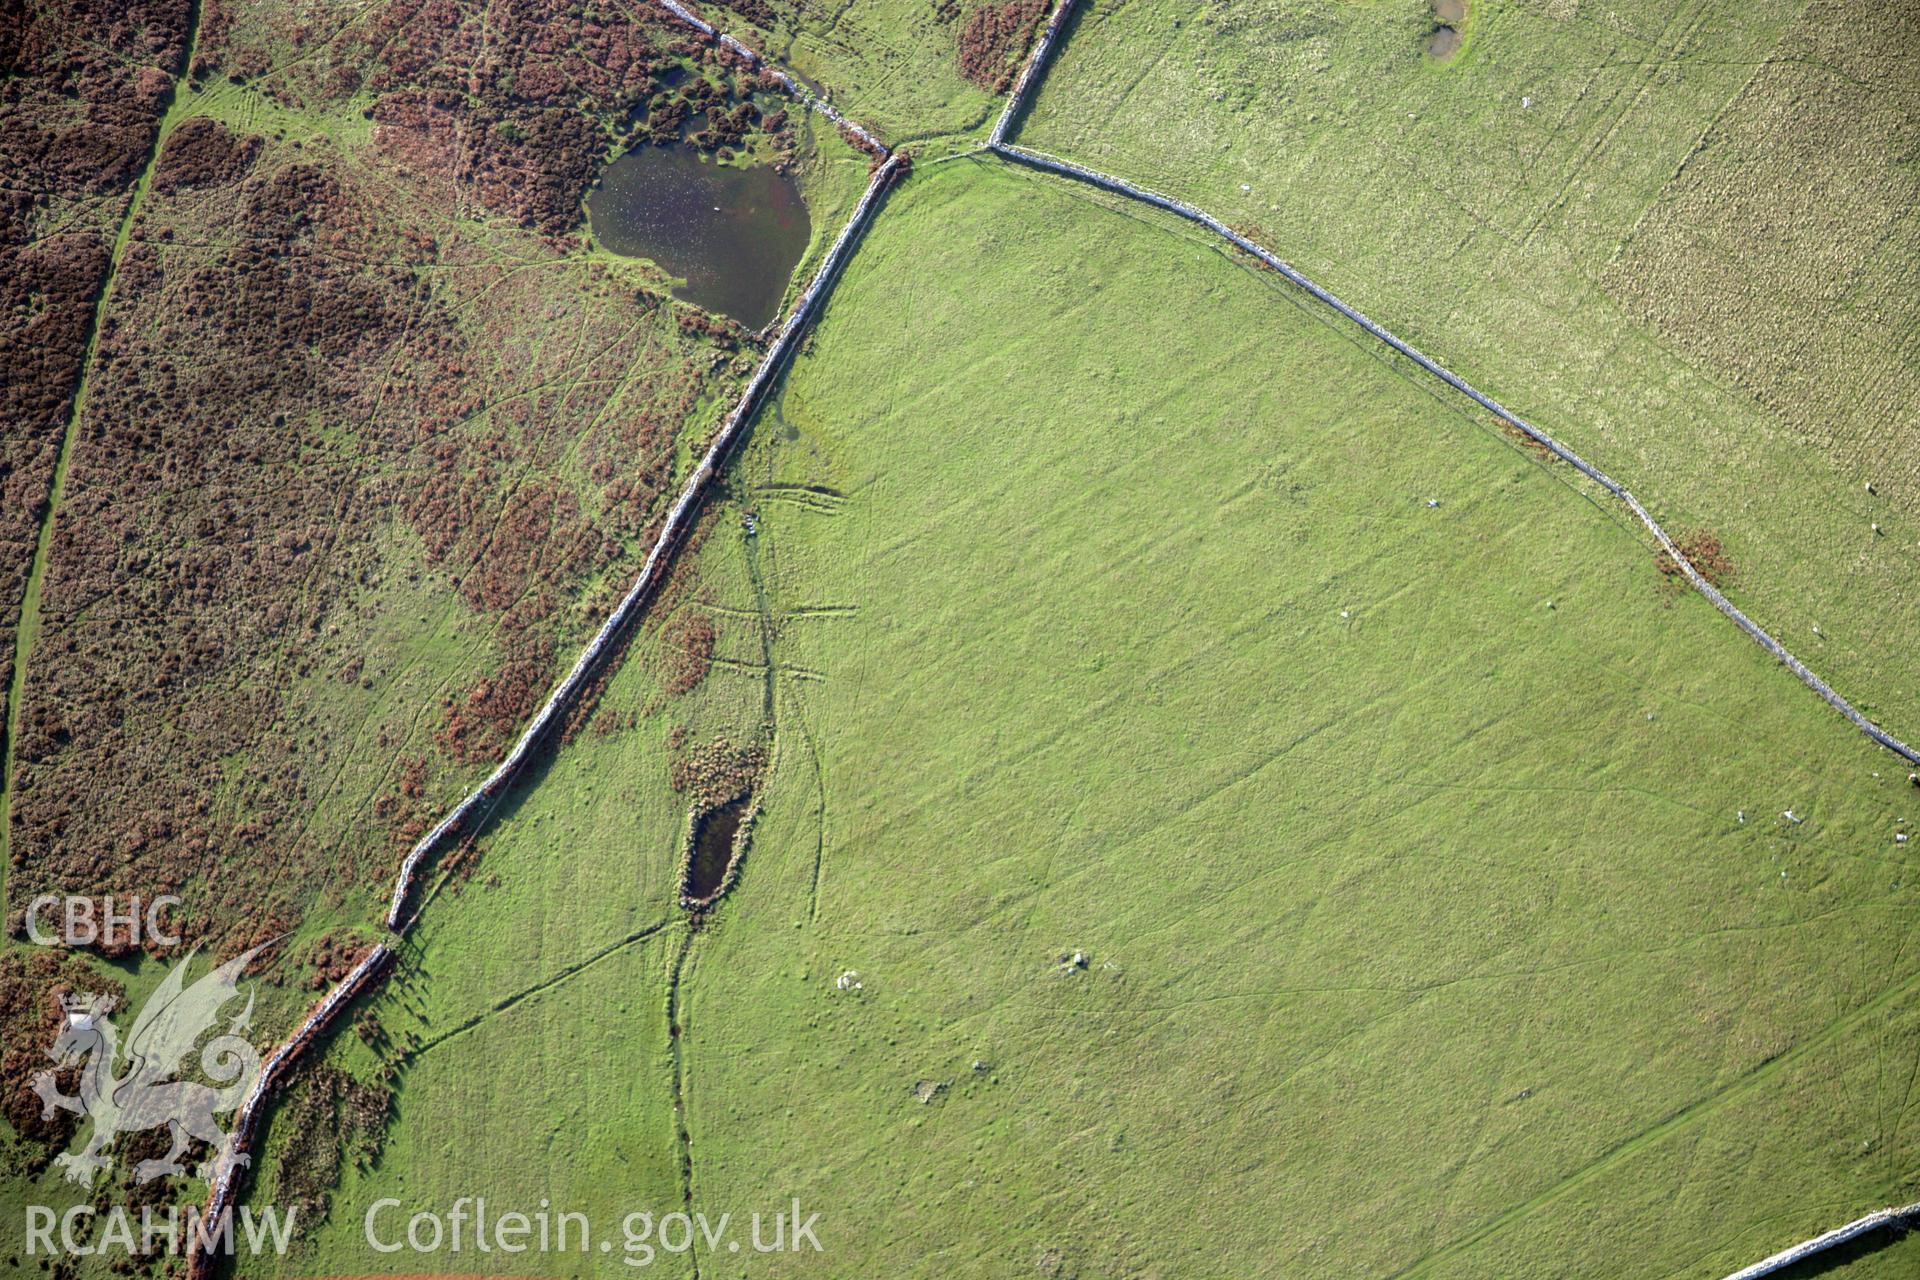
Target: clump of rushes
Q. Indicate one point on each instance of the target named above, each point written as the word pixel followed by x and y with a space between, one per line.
pixel 716 772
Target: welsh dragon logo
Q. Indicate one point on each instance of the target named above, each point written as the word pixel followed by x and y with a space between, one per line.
pixel 145 1095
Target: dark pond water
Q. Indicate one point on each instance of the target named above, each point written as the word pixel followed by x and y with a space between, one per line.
pixel 1445 40
pixel 713 849
pixel 733 233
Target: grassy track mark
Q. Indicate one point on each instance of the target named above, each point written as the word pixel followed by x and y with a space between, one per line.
pixel 546 984
pixel 1666 1128
pixel 676 1037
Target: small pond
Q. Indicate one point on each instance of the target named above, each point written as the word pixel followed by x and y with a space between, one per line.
pixel 733 233
pixel 1450 15
pixel 713 849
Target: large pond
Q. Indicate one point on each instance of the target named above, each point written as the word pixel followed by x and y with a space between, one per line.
pixel 733 233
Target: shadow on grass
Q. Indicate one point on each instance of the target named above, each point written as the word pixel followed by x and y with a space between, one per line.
pixel 1018 121
pixel 1858 1249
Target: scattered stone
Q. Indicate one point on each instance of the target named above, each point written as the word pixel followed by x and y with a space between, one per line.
pixel 849 981
pixel 927 1090
pixel 978 1065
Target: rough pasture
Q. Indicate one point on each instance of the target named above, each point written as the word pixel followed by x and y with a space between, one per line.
pixel 371 437
pixel 82 89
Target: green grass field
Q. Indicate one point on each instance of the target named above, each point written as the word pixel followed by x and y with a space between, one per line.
pixel 1423 932
pixel 1682 237
pixel 1423 939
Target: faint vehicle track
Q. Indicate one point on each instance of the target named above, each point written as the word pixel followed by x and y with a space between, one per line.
pixel 507 1002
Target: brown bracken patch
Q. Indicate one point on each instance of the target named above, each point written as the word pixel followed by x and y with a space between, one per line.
pixel 995 38
pixel 203 153
pixel 687 649
pixel 335 1119
pixel 1703 550
pixel 1529 443
pixel 82 88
